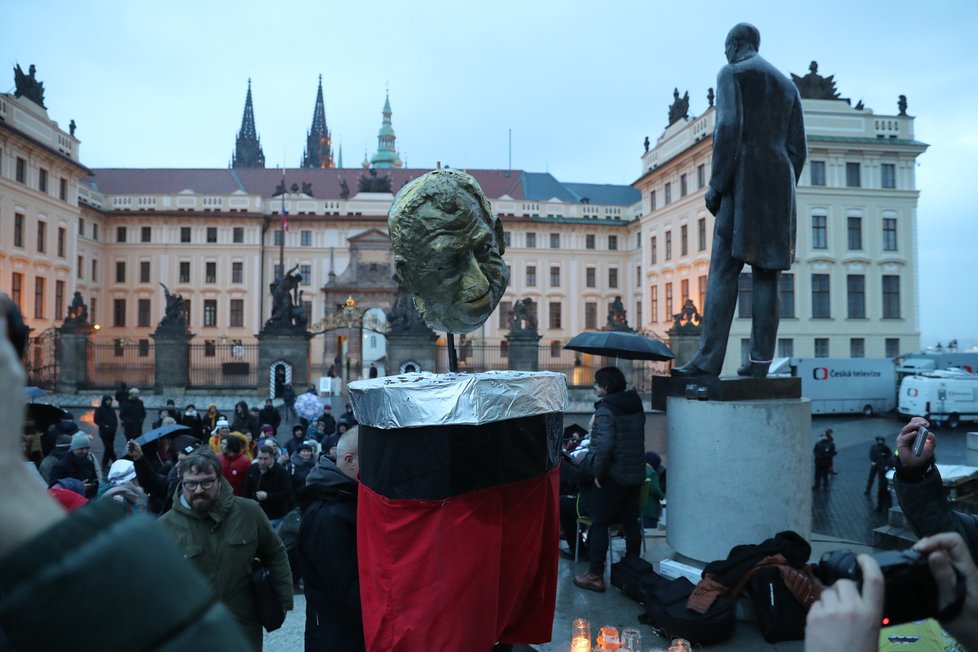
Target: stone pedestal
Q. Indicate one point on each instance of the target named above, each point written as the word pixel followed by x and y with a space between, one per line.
pixel 739 472
pixel 524 351
pixel 72 359
pixel 416 348
pixel 291 348
pixel 172 362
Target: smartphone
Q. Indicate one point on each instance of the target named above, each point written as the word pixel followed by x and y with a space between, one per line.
pixel 918 444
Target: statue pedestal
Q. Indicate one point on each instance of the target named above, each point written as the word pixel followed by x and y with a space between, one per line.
pixel 411 348
pixel 524 351
pixel 291 347
pixel 739 472
pixel 172 363
pixel 72 359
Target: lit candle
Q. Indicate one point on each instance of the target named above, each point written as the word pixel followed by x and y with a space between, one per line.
pixel 580 644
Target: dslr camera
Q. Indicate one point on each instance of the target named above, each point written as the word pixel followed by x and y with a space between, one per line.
pixel 910 592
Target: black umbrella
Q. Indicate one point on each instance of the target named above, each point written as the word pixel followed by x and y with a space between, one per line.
pixel 620 344
pixel 45 415
pixel 156 433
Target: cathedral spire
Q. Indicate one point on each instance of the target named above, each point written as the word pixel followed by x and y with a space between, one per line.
pixel 247 146
pixel 319 144
pixel 386 156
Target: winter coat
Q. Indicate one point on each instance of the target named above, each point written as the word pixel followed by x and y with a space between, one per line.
pixel 244 421
pixel 132 411
pixel 328 560
pixel 271 417
pixel 653 508
pixel 158 486
pixel 222 543
pixel 81 468
pixel 277 483
pixel 617 449
pixel 54 573
pixel 235 471
pixel 106 420
pixel 824 452
pixel 299 469
pixel 920 492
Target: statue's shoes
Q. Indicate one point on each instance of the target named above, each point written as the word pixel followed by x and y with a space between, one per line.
pixel 689 370
pixel 751 370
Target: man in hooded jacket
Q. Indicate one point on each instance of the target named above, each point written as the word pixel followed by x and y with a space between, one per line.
pixel 328 551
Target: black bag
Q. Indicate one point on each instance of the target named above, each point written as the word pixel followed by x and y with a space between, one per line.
pixel 636 578
pixel 779 614
pixel 269 608
pixel 665 609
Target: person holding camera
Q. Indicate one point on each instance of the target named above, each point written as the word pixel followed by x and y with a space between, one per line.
pixel 920 490
pixel 847 617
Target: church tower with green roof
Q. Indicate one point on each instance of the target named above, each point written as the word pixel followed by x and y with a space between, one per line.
pixel 386 156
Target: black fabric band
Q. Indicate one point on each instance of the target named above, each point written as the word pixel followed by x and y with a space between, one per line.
pixel 437 462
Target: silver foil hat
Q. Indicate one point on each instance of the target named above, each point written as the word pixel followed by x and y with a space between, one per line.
pixel 425 399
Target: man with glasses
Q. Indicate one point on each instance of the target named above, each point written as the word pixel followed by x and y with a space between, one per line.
pixel 222 534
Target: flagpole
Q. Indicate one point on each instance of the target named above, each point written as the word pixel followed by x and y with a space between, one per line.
pixel 284 226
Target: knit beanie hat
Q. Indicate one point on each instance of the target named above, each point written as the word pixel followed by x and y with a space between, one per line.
pixel 79 440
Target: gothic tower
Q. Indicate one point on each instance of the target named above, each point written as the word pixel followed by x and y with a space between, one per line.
pixel 386 156
pixel 247 146
pixel 319 144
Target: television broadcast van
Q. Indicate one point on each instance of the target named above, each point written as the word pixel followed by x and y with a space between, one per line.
pixel 943 396
pixel 844 385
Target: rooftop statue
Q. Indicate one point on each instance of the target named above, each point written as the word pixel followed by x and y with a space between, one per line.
pixel 28 86
pixel 448 250
pixel 815 87
pixel 759 150
pixel 374 183
pixel 679 108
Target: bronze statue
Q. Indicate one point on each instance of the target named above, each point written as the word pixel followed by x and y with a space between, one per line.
pixel 374 183
pixel 688 315
pixel 815 87
pixel 174 318
pixel 759 150
pixel 646 143
pixel 27 85
pixel 902 104
pixel 448 249
pixel 404 317
pixel 344 189
pixel 71 127
pixel 77 313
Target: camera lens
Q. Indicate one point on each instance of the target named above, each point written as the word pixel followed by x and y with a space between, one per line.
pixel 838 565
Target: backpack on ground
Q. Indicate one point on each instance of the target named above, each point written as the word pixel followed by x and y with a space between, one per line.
pixel 636 578
pixel 665 609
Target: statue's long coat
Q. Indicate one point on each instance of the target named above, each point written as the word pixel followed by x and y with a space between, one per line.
pixel 758 154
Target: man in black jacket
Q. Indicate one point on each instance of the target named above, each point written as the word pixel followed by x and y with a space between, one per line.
pixel 328 552
pixel 269 416
pixel 920 490
pixel 108 424
pixel 616 461
pixel 132 413
pixel 270 485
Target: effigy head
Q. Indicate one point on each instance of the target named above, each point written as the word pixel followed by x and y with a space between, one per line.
pixel 448 250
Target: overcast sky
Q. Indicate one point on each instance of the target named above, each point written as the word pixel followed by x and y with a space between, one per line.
pixel 579 83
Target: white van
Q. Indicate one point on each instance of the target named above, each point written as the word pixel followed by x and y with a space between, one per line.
pixel 844 385
pixel 942 395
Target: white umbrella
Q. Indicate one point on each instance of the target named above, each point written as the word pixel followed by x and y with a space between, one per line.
pixel 308 406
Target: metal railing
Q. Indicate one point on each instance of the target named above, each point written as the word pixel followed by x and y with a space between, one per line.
pixel 121 360
pixel 223 364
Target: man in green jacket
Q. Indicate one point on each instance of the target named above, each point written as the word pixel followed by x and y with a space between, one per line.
pixel 222 534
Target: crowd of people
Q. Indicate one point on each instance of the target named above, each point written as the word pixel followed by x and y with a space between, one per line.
pixel 71 521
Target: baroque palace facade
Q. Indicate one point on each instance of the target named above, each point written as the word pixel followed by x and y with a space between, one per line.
pixel 213 235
